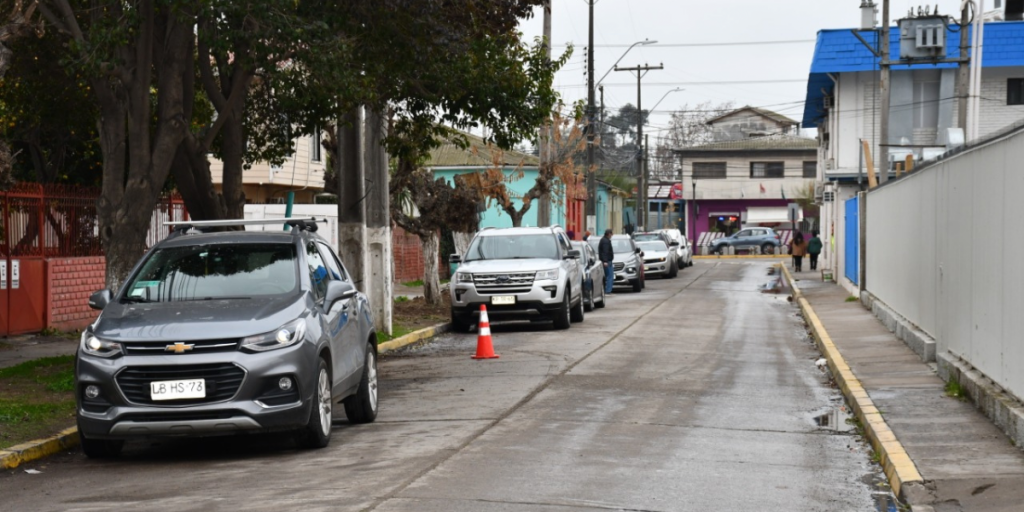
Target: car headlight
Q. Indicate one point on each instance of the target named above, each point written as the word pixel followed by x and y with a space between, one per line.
pixel 631 270
pixel 99 347
pixel 284 336
pixel 547 275
pixel 463 277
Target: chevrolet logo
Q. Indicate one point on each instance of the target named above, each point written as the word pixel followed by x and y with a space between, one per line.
pixel 179 348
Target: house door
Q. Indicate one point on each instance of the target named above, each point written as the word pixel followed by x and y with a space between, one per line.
pixel 23 286
pixel 852 241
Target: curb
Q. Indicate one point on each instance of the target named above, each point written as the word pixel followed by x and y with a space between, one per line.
pixel 898 467
pixel 740 256
pixel 413 337
pixel 32 450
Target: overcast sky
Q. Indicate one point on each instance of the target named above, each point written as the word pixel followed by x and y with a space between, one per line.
pixel 674 23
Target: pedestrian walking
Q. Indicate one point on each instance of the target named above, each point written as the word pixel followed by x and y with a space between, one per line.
pixel 586 235
pixel 606 254
pixel 814 249
pixel 798 248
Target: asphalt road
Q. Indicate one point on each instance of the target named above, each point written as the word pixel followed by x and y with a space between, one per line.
pixel 700 393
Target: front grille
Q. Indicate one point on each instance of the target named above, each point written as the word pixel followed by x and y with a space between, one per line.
pixel 655 260
pixel 499 283
pixel 175 416
pixel 197 347
pixel 619 266
pixel 222 381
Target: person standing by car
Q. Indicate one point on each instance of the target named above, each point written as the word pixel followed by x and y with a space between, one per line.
pixel 606 254
pixel 814 249
pixel 798 248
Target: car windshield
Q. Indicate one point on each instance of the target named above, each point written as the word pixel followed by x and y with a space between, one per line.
pixel 646 236
pixel 620 245
pixel 502 247
pixel 207 272
pixel 652 246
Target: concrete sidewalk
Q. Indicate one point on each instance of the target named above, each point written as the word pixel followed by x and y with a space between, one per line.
pixel 18 349
pixel 967 463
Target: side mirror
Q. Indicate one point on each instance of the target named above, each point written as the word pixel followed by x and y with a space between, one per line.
pixel 574 253
pixel 338 290
pixel 674 244
pixel 454 258
pixel 100 299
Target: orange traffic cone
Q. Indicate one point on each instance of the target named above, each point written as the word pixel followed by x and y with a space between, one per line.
pixel 484 349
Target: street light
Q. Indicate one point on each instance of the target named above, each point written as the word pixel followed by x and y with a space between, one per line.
pixel 645 42
pixel 677 89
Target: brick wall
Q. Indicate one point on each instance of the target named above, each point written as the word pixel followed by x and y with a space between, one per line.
pixel 408 255
pixel 72 280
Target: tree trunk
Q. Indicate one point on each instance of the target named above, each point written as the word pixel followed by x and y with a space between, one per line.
pixel 462 241
pixel 233 155
pixel 194 182
pixel 431 280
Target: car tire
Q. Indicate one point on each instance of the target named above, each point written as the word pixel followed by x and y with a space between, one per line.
pixel 768 248
pixel 460 325
pixel 576 313
pixel 562 314
pixel 100 448
pixel 588 304
pixel 604 299
pixel 317 432
pixel 674 271
pixel 637 286
pixel 362 406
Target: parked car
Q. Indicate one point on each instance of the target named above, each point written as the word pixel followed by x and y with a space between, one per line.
pixel 628 264
pixel 227 332
pixel 683 253
pixel 765 238
pixel 593 276
pixel 659 259
pixel 520 274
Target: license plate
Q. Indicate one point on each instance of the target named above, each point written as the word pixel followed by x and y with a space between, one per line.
pixel 503 300
pixel 177 389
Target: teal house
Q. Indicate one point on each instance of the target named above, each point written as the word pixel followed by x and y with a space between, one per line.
pixel 449 160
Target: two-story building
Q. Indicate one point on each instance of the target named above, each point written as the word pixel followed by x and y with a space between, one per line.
pixel 302 173
pixel 756 165
pixel 843 103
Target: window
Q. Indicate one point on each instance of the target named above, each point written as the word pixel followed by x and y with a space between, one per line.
pixel 318 273
pixel 709 170
pixel 810 169
pixel 767 170
pixel 337 271
pixel 315 149
pixel 1015 91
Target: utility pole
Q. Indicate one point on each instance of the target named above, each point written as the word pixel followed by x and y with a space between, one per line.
pixel 647 176
pixel 883 138
pixel 543 142
pixel 641 182
pixel 590 224
pixel 962 77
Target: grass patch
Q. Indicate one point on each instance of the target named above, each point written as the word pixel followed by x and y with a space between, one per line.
pixel 397 332
pixel 418 282
pixel 955 390
pixel 401 298
pixel 36 399
pixel 57 333
pixel 851 298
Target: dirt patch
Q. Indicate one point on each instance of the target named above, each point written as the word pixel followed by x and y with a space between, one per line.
pixel 416 313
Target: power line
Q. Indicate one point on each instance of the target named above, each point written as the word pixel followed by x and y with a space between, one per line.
pixel 702 45
pixel 719 82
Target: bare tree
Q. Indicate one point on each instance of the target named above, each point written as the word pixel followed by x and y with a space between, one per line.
pixel 688 127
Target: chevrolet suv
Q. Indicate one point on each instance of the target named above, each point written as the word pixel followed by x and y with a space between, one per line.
pixel 519 274
pixel 227 332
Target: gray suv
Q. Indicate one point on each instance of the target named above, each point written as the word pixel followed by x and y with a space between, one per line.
pixel 629 262
pixel 765 238
pixel 227 332
pixel 519 274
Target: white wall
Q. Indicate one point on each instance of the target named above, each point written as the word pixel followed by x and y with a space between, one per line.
pixel 943 250
pixel 739 185
pixel 276 211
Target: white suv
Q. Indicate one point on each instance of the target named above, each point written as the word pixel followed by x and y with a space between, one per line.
pixel 519 274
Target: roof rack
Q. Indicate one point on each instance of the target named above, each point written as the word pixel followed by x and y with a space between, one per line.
pixel 300 224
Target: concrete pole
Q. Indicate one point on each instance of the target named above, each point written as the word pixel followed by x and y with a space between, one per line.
pixel 544 202
pixel 962 77
pixel 351 204
pixel 590 224
pixel 641 205
pixel 884 91
pixel 378 224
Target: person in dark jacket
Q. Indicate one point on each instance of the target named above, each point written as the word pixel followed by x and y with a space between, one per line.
pixel 814 249
pixel 606 254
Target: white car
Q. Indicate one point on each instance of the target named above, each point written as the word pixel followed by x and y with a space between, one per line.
pixel 659 259
pixel 684 251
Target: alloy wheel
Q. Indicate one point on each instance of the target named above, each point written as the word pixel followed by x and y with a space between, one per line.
pixel 324 399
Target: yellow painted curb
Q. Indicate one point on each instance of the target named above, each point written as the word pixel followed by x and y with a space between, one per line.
pixel 32 450
pixel 740 256
pixel 413 337
pixel 898 466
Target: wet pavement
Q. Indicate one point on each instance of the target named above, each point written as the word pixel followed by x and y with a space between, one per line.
pixel 967 463
pixel 700 393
